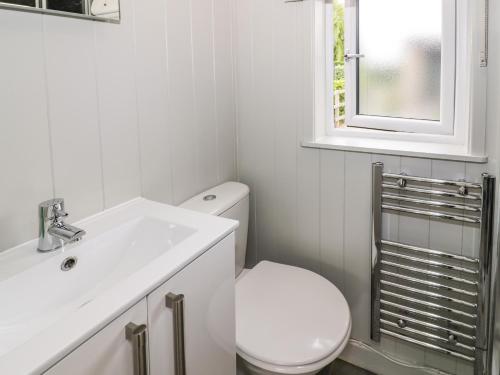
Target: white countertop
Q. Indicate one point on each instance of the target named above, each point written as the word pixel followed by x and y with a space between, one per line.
pixel 52 343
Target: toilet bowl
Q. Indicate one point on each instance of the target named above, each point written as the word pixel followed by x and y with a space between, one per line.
pixel 288 320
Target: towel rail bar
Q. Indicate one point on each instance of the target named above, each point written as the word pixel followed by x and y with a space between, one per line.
pixel 442 193
pixel 427 202
pixel 428 283
pixel 434 181
pixel 429 294
pixel 427 335
pixel 436 327
pixel 432 305
pixel 430 273
pixel 430 251
pixel 428 314
pixel 432 214
pixel 429 262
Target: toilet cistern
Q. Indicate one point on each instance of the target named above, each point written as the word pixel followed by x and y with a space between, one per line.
pixel 53 232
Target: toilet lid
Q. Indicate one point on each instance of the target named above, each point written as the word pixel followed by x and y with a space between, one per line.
pixel 289 316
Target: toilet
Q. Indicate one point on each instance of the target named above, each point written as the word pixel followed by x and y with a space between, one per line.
pixel 288 320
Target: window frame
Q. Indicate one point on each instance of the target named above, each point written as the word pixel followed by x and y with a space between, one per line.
pixel 469 133
pixel 448 62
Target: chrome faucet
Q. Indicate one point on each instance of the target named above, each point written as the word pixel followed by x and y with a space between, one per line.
pixel 53 232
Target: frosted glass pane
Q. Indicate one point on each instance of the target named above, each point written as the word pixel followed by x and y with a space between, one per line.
pixel 400 75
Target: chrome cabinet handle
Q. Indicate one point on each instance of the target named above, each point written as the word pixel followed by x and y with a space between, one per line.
pixel 138 335
pixel 176 303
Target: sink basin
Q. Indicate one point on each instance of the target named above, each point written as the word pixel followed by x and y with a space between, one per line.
pixel 129 251
pixel 40 295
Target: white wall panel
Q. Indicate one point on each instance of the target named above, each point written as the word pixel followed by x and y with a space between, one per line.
pixel 284 120
pixel 73 114
pixel 357 239
pixel 245 105
pixel 152 100
pixel 205 100
pixel 263 125
pixel 307 251
pixel 24 142
pixel 181 99
pixel 225 89
pixel 332 213
pixel 100 94
pixel 118 108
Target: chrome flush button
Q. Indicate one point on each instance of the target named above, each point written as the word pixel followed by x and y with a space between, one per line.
pixel 210 197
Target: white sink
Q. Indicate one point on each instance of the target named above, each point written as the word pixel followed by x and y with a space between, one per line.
pixel 129 250
pixel 42 294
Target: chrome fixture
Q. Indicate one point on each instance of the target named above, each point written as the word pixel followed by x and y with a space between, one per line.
pixel 53 232
pixel 350 56
pixel 176 303
pixel 428 297
pixel 138 336
pixel 69 263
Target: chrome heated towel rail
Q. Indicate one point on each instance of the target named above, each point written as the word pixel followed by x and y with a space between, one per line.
pixel 432 298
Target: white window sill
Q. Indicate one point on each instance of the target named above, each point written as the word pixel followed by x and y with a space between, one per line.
pixel 396 147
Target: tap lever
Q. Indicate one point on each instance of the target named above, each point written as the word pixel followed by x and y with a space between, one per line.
pixel 51 209
pixel 59 213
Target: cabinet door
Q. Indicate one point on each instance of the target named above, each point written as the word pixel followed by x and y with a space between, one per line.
pixel 207 288
pixel 108 352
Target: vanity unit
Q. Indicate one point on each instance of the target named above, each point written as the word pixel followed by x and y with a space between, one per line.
pixel 150 290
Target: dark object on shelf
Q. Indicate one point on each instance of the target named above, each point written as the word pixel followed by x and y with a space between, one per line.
pixel 72 6
pixel 29 3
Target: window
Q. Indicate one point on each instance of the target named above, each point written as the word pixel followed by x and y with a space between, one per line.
pixel 391 65
pixel 402 77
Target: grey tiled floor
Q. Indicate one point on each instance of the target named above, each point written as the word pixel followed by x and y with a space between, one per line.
pixel 340 367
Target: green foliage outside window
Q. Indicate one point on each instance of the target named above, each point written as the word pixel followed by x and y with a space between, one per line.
pixel 338 57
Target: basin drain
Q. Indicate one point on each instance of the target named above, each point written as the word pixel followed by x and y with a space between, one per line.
pixel 69 263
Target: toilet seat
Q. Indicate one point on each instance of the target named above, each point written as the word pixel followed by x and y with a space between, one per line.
pixel 311 368
pixel 289 320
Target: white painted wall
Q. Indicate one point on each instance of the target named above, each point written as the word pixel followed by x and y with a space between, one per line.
pixel 100 113
pixel 310 207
